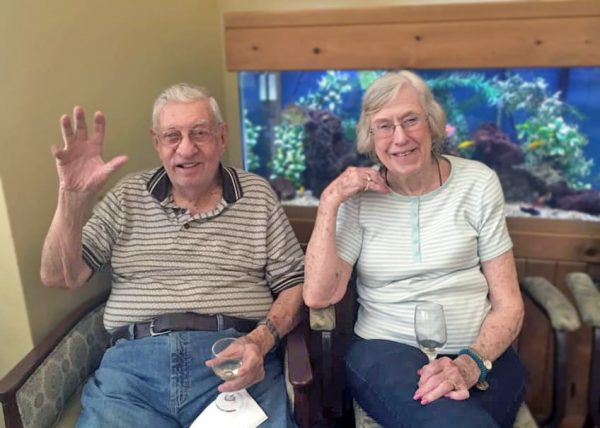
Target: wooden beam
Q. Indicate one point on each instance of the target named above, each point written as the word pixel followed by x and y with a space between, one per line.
pixel 523 34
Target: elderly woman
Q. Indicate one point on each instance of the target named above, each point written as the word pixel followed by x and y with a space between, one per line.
pixel 421 227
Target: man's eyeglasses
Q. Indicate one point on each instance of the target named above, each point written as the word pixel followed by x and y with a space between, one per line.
pixel 198 134
pixel 408 124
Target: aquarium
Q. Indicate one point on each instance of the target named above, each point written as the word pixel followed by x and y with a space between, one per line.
pixel 538 128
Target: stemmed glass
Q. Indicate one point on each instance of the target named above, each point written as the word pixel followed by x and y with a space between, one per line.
pixel 430 328
pixel 228 353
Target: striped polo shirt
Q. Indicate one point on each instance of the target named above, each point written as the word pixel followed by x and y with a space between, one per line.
pixel 414 248
pixel 232 260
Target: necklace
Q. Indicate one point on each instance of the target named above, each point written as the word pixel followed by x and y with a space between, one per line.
pixel 439 169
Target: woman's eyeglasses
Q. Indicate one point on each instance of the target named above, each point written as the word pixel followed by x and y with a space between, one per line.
pixel 408 124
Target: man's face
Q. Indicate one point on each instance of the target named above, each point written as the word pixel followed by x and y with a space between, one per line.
pixel 190 145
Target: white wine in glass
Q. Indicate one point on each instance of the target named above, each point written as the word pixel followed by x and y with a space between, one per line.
pixel 228 353
pixel 430 328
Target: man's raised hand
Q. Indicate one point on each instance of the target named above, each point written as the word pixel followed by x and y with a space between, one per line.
pixel 79 163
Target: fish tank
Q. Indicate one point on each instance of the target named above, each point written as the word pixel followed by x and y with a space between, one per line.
pixel 538 128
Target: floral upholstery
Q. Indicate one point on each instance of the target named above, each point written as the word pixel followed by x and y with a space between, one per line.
pixel 42 398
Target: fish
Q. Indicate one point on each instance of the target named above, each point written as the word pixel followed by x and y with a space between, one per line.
pixel 294 115
pixel 450 130
pixel 541 200
pixel 537 202
pixel 465 144
pixel 535 144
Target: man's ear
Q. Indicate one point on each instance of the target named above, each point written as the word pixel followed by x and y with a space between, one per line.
pixel 224 136
pixel 154 138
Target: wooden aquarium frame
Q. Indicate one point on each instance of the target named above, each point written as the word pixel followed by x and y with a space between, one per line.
pixel 503 34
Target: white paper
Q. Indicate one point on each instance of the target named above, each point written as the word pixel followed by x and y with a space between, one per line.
pixel 249 416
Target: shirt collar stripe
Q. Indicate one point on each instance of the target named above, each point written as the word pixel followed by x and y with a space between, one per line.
pixel 159 184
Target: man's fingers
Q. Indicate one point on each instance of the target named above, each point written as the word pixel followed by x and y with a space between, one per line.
pixel 99 123
pixel 114 164
pixel 80 125
pixel 66 128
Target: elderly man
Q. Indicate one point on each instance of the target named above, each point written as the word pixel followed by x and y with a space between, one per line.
pixel 197 251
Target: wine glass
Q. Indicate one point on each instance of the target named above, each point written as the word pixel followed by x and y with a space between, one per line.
pixel 430 328
pixel 228 353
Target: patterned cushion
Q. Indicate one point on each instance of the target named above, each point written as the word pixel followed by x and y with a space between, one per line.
pixel 42 397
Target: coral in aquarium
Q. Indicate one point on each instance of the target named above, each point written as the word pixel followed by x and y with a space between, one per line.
pixel 290 147
pixel 251 134
pixel 443 88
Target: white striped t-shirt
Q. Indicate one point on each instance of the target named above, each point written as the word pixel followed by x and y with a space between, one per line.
pixel 413 248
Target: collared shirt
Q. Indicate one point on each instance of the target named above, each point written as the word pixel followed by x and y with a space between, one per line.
pixel 231 260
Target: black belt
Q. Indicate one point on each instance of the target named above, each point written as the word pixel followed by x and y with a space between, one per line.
pixel 165 324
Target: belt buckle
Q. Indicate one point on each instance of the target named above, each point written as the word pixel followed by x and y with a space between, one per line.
pixel 154 333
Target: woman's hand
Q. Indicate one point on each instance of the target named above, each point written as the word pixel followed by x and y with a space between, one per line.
pixel 79 162
pixel 448 378
pixel 352 181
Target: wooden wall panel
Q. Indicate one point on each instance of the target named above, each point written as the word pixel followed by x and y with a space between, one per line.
pixel 565 33
pixel 417 45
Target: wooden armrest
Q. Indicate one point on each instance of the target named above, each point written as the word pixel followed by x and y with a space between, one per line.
pixel 322 319
pixel 298 359
pixel 587 297
pixel 558 309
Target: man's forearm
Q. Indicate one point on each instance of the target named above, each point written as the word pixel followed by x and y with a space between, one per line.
pixel 62 264
pixel 284 315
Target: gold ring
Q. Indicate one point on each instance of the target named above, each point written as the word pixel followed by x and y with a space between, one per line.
pixel 452 383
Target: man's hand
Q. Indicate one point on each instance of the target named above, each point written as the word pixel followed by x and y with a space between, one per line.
pixel 251 371
pixel 79 162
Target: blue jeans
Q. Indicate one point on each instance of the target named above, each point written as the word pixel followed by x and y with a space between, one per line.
pixel 162 382
pixel 382 378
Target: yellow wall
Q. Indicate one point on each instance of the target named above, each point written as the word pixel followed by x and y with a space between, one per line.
pixel 109 55
pixel 14 323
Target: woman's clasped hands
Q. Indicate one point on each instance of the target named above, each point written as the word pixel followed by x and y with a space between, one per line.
pixel 445 377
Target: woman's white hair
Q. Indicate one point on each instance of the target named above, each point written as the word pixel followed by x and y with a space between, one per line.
pixel 184 93
pixel 382 91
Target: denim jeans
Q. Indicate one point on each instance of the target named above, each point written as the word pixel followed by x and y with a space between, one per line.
pixel 382 378
pixel 162 382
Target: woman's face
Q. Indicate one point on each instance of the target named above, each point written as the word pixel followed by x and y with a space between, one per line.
pixel 401 135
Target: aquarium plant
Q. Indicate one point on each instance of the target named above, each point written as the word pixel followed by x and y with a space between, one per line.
pixel 288 159
pixel 251 134
pixel 546 135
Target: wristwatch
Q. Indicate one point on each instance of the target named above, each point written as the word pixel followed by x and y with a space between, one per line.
pixel 272 329
pixel 485 366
